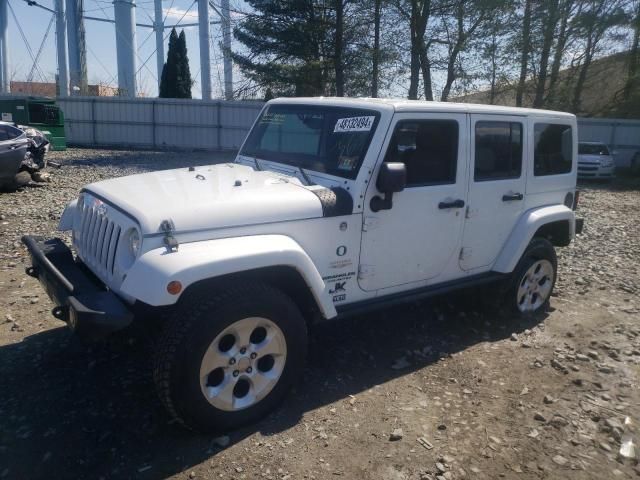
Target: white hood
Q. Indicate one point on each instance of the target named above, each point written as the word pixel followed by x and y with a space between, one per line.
pixel 213 196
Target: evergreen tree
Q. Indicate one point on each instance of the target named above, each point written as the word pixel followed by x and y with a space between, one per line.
pixel 288 44
pixel 184 73
pixel 175 81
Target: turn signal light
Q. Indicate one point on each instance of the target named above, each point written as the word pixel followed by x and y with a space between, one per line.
pixel 174 287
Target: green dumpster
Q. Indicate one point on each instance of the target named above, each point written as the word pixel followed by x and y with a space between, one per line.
pixel 37 112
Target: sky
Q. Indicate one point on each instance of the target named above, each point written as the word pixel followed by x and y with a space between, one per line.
pixel 101 44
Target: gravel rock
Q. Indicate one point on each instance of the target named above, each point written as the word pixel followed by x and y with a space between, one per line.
pixel 396 435
pixel 539 417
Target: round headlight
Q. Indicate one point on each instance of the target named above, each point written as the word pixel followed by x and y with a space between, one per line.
pixel 134 242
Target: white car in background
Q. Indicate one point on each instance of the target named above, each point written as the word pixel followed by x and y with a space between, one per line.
pixel 595 161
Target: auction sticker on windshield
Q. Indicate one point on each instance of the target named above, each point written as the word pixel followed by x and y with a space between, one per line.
pixel 354 124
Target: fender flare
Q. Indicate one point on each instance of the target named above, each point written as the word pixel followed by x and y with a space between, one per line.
pixel 525 229
pixel 148 277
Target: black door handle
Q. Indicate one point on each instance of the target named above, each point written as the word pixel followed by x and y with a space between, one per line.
pixel 453 204
pixel 512 196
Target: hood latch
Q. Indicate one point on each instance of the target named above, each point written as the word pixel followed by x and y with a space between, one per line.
pixel 168 227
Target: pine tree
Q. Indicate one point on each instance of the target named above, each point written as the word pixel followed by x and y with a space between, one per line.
pixel 289 46
pixel 175 81
pixel 184 73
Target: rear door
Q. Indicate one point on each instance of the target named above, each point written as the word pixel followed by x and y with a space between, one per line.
pixel 497 183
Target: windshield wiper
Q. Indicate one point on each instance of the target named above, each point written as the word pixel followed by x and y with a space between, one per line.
pixel 258 167
pixel 305 176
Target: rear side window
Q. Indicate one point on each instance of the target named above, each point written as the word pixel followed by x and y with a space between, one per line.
pixel 553 149
pixel 429 150
pixel 9 133
pixel 498 151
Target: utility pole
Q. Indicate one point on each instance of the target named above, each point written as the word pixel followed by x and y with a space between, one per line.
pixel 126 46
pixel 205 54
pixel 158 26
pixel 77 48
pixel 226 50
pixel 4 47
pixel 61 45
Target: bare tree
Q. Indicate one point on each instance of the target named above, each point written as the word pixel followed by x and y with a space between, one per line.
pixel 594 22
pixel 633 82
pixel 550 12
pixel 524 51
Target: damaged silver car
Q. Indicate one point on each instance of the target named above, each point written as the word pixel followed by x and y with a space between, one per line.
pixel 13 149
pixel 22 154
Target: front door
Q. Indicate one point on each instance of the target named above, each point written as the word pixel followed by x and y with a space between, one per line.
pixel 419 236
pixel 496 187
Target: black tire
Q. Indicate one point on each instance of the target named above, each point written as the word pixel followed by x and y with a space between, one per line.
pixel 200 317
pixel 538 249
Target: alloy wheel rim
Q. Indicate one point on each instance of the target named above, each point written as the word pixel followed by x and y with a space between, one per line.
pixel 535 286
pixel 243 364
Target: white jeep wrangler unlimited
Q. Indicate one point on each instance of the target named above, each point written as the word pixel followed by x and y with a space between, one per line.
pixel 332 207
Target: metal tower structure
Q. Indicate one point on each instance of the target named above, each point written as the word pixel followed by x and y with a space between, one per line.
pixel 5 81
pixel 126 46
pixel 61 45
pixel 77 48
pixel 71 47
pixel 205 53
pixel 158 26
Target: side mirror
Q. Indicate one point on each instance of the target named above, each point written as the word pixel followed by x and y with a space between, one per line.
pixel 392 178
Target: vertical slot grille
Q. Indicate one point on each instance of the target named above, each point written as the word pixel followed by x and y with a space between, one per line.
pixel 97 239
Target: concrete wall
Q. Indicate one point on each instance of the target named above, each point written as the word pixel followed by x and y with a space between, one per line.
pixel 157 123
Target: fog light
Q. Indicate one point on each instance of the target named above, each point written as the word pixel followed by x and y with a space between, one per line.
pixel 174 287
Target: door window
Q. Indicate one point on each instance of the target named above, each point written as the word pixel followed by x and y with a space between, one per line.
pixel 498 151
pixel 553 149
pixel 429 150
pixel 9 133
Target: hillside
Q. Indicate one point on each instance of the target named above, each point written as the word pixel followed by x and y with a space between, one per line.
pixel 600 97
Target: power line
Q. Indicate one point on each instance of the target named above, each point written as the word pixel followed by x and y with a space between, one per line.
pixel 165 38
pixel 24 39
pixel 44 39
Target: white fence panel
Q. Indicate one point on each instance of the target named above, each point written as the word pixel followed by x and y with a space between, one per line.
pixel 222 125
pixel 157 123
pixel 622 136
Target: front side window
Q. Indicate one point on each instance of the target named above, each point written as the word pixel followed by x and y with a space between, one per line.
pixel 553 149
pixel 498 151
pixel 331 140
pixel 429 150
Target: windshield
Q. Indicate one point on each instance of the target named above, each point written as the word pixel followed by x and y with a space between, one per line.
pixel 592 149
pixel 331 140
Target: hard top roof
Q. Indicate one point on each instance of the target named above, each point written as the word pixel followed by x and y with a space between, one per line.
pixel 402 105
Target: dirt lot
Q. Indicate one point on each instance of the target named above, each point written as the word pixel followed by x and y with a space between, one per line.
pixel 466 393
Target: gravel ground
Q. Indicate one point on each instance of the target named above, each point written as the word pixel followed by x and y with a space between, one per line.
pixel 443 389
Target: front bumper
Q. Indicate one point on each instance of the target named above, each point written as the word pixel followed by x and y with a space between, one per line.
pixel 81 299
pixel 596 171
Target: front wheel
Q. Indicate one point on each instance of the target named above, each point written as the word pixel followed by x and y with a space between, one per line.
pixel 533 279
pixel 227 359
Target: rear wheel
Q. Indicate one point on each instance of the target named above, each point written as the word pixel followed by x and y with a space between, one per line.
pixel 533 279
pixel 227 360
